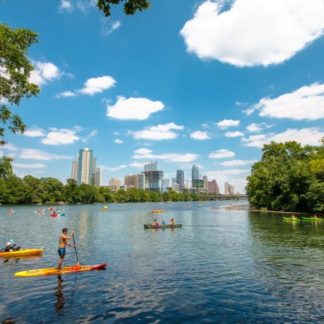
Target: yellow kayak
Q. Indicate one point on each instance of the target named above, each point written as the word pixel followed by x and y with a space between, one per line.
pixel 64 270
pixel 21 253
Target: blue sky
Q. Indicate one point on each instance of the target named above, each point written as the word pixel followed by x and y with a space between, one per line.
pixel 185 82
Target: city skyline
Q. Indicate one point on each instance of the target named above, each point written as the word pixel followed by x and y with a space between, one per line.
pixel 147 88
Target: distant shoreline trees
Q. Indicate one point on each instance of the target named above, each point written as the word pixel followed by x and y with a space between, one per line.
pixel 289 177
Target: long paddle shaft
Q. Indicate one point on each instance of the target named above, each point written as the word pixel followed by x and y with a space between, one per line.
pixel 76 252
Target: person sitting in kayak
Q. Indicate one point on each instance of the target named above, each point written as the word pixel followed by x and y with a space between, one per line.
pixel 163 222
pixel 172 221
pixel 11 246
pixel 156 223
pixel 63 242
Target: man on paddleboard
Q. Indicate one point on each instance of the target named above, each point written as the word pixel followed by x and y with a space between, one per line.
pixel 63 242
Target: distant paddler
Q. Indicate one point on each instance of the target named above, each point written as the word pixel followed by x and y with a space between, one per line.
pixel 63 243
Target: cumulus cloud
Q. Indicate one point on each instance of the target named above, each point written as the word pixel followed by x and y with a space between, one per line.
pixel 115 168
pixel 43 73
pixel 237 162
pixel 97 85
pixel 254 128
pixel 306 103
pixel 234 134
pixel 253 32
pixel 226 123
pixel 33 154
pixel 60 137
pixel 66 94
pixel 118 141
pixel 34 132
pixel 144 153
pixel 200 135
pixel 305 136
pixel 133 108
pixel 221 154
pixel 136 164
pixel 158 133
pixel 66 5
pixel 29 165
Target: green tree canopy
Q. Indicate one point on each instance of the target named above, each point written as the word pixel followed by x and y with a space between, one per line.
pixel 15 68
pixel 130 6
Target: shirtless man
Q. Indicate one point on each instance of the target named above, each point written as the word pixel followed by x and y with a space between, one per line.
pixel 63 242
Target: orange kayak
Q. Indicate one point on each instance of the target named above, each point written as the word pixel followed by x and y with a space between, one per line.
pixel 64 270
pixel 21 253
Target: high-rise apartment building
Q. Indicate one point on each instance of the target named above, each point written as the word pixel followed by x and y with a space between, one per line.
pixel 180 179
pixel 213 186
pixel 194 173
pixel 205 183
pixel 229 189
pixel 86 167
pixel 98 177
pixel 114 183
pixel 74 171
pixel 135 181
pixel 153 177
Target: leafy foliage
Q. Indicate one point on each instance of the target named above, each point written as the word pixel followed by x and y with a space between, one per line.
pixel 130 6
pixel 15 69
pixel 288 177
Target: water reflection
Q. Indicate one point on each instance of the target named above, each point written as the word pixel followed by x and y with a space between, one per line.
pixel 59 294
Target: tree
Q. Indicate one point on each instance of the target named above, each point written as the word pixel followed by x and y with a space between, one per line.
pixel 130 6
pixel 15 69
pixel 6 170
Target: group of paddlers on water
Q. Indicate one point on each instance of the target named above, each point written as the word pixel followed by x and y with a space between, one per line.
pixel 157 223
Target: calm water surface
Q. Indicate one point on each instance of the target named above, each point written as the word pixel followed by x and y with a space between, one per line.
pixel 223 265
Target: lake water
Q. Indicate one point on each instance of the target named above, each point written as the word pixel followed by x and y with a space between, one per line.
pixel 222 266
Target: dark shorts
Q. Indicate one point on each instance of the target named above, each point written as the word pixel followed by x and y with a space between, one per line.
pixel 61 252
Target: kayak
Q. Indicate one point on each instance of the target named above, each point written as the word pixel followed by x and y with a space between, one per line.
pixel 312 219
pixel 292 220
pixel 21 253
pixel 158 211
pixel 146 226
pixel 64 270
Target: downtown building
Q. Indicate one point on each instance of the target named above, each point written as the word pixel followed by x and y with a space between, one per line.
pixel 228 189
pixel 153 177
pixel 135 181
pixel 180 180
pixel 84 168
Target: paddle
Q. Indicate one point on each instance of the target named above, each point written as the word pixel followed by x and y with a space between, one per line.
pixel 75 249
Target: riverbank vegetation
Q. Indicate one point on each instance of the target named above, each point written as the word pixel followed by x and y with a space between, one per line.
pixel 31 190
pixel 289 177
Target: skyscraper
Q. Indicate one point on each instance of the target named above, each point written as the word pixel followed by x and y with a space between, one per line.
pixel 229 189
pixel 86 167
pixel 180 179
pixel 74 171
pixel 213 186
pixel 197 184
pixel 98 177
pixel 153 177
pixel 194 173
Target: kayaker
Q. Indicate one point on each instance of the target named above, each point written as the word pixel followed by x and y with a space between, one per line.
pixel 155 223
pixel 11 246
pixel 172 221
pixel 63 242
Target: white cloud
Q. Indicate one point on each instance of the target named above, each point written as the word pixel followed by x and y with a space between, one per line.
pixel 9 147
pixel 66 94
pixel 29 165
pixel 305 103
pixel 254 128
pixel 200 135
pixel 237 162
pixel 108 26
pixel 136 164
pixel 116 168
pixel 221 154
pixel 34 132
pixel 133 108
pixel 147 154
pixel 97 85
pixel 226 123
pixel 86 138
pixel 118 141
pixel 234 134
pixel 33 154
pixel 66 5
pixel 44 72
pixel 60 137
pixel 158 133
pixel 253 32
pixel 305 136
